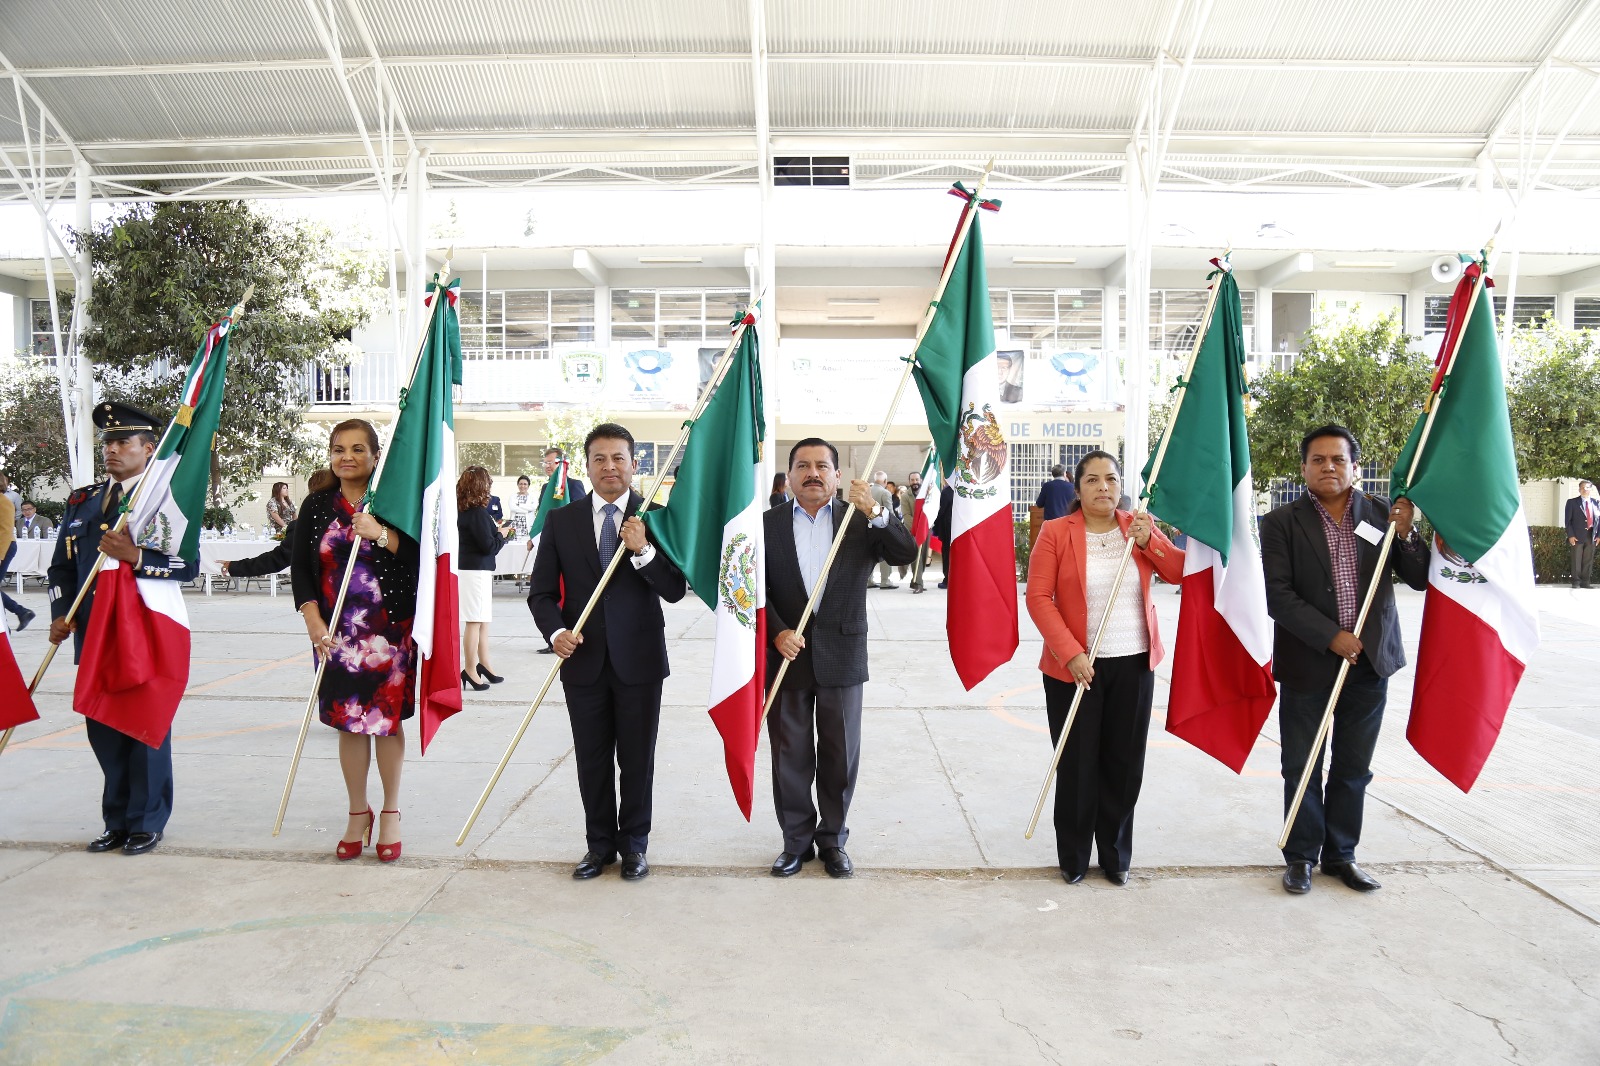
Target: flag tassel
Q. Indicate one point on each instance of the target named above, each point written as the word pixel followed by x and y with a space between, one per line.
pixel 1315 755
pixel 122 523
pixel 718 374
pixel 355 547
pixel 951 257
pixel 1122 567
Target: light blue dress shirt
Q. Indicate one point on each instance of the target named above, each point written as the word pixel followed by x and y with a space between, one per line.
pixel 814 536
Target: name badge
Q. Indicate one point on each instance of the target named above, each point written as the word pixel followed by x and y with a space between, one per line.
pixel 1369 532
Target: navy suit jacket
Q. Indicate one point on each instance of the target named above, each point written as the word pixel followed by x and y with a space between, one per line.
pixel 1575 526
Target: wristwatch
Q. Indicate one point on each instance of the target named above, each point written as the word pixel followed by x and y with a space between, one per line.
pixel 383 538
pixel 877 511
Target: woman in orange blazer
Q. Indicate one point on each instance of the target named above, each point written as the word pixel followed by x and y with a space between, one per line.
pixel 1070 574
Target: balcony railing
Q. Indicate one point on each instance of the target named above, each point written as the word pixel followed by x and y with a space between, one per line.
pixel 489 375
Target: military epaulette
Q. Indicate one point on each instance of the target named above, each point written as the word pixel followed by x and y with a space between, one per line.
pixel 80 495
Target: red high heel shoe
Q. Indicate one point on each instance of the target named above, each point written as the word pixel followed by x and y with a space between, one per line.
pixel 351 849
pixel 389 852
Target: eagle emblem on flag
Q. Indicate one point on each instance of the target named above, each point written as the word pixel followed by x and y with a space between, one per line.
pixel 738 579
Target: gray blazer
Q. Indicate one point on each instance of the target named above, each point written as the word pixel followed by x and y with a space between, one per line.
pixel 1302 601
pixel 835 654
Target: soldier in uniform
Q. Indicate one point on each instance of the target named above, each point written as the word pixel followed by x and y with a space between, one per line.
pixel 138 791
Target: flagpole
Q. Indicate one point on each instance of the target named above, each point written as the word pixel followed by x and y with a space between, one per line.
pixel 720 372
pixel 1314 757
pixel 122 522
pixel 963 227
pixel 1127 553
pixel 442 280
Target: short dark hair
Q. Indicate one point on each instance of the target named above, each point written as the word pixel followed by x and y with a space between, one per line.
pixel 524 477
pixel 557 452
pixel 1332 429
pixel 607 431
pixel 814 442
pixel 1057 470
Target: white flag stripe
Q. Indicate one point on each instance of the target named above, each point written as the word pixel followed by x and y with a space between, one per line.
pixel 980 387
pixel 1504 598
pixel 733 661
pixel 1240 588
pixel 439 537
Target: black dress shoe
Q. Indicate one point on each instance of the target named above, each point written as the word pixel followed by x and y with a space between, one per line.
pixel 23 618
pixel 139 843
pixel 1352 875
pixel 788 864
pixel 1072 877
pixel 110 840
pixel 1116 877
pixel 634 868
pixel 1297 878
pixel 836 862
pixel 591 865
pixel 547 650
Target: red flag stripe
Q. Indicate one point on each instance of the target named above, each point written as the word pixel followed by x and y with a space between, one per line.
pixel 981 618
pixel 1209 661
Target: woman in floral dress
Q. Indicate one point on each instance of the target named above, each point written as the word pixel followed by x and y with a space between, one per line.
pixel 369 685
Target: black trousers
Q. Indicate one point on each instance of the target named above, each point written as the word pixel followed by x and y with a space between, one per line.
pixel 816 739
pixel 1102 768
pixel 1582 562
pixel 614 727
pixel 138 790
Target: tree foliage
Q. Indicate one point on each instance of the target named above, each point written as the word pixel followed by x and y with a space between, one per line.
pixel 1554 396
pixel 33 442
pixel 1360 375
pixel 164 273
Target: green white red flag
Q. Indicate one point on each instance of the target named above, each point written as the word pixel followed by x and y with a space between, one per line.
pixel 926 509
pixel 135 661
pixel 551 496
pixel 417 495
pixel 16 705
pixel 959 379
pixel 711 530
pixel 1479 622
pixel 1222 688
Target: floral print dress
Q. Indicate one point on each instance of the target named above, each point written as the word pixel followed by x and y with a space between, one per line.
pixel 370 684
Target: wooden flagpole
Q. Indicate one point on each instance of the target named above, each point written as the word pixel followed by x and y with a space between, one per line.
pixel 1314 757
pixel 1127 553
pixel 442 278
pixel 122 521
pixel 883 432
pixel 718 373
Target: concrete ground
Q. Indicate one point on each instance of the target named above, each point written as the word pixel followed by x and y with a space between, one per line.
pixel 955 942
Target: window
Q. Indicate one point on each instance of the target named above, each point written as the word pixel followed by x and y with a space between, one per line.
pixel 1586 312
pixel 1529 311
pixel 820 170
pixel 661 316
pixel 1175 316
pixel 526 319
pixel 1030 467
pixel 1042 319
pixel 1435 313
pixel 44 340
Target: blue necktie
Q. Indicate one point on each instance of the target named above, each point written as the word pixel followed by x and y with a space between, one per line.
pixel 608 534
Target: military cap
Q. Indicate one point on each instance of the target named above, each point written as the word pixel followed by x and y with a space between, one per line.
pixel 118 421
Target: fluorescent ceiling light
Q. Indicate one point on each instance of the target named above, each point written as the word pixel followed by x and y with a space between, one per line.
pixel 851 318
pixel 669 259
pixel 852 301
pixel 1362 264
pixel 1041 260
pixel 1273 230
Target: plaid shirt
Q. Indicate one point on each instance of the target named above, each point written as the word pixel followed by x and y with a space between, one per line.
pixel 1345 553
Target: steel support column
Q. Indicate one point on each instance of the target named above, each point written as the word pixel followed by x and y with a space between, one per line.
pixel 765 286
pixel 83 390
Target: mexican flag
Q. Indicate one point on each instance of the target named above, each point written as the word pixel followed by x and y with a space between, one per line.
pixel 551 496
pixel 959 379
pixel 417 495
pixel 711 530
pixel 927 505
pixel 135 662
pixel 16 705
pixel 1479 622
pixel 1222 689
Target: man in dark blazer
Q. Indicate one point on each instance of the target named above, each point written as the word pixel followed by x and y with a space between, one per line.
pixel 137 799
pixel 1319 553
pixel 1583 524
pixel 815 724
pixel 1057 494
pixel 613 669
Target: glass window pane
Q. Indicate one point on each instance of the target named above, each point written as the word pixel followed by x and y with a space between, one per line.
pixel 571 306
pixel 527 335
pixel 527 305
pixel 1435 313
pixel 470 311
pixel 480 453
pixel 633 313
pixel 682 331
pixel 624 332
pixel 998 301
pixel 722 305
pixel 1529 310
pixel 645 452
pixel 573 334
pixel 1033 305
pixel 682 307
pixel 1586 312
pixel 524 459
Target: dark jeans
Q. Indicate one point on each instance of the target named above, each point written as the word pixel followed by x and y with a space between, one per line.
pixel 5 568
pixel 1102 768
pixel 1329 823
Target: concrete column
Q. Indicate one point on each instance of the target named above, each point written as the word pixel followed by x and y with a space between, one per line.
pixel 1416 312
pixel 1567 309
pixel 602 316
pixel 1110 318
pixel 1264 341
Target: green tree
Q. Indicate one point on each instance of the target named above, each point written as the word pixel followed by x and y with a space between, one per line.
pixel 33 444
pixel 1363 376
pixel 1554 396
pixel 164 273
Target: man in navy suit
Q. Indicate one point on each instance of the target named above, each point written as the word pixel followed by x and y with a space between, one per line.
pixel 137 799
pixel 613 670
pixel 1057 494
pixel 1583 523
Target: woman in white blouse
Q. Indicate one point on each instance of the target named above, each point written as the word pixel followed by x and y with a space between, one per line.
pixel 1070 574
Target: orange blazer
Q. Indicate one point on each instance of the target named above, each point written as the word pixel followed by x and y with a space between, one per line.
pixel 1056 576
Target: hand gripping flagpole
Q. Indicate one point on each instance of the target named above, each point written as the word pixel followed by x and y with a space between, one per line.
pixel 1127 547
pixel 442 279
pixel 888 420
pixel 124 509
pixel 718 373
pixel 1314 757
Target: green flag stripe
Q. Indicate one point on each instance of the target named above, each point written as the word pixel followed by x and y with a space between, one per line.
pixel 1466 482
pixel 960 335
